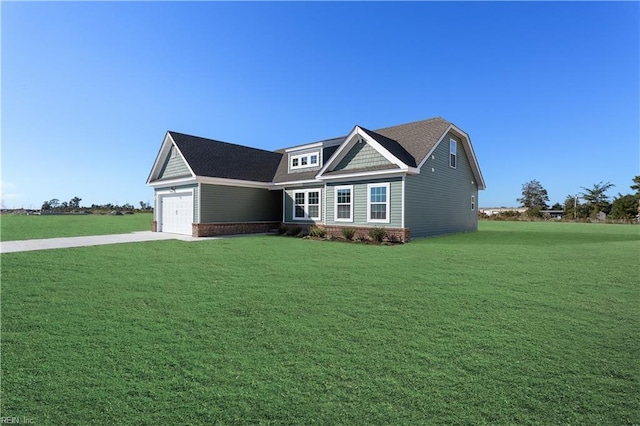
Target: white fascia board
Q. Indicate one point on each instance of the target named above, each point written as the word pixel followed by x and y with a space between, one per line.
pixel 382 150
pixel 349 142
pixel 466 143
pixel 167 143
pixel 304 147
pixel 338 153
pixel 366 175
pixel 233 182
pixel 278 185
pixel 172 182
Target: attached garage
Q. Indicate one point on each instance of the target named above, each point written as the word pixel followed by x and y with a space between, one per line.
pixel 176 213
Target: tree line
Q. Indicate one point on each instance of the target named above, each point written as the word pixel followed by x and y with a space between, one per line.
pixel 73 205
pixel 590 203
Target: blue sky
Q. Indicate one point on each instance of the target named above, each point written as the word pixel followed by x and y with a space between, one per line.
pixel 546 91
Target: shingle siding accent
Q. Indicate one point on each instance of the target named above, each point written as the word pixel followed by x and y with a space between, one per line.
pixel 174 167
pixel 362 155
pixel 439 201
pixel 359 199
pixel 239 204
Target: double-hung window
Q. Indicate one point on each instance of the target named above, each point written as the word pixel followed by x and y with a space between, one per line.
pixel 453 153
pixel 306 204
pixel 473 202
pixel 344 203
pixel 378 202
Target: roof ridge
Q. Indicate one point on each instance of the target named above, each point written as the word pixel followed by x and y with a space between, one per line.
pixel 222 142
pixel 415 122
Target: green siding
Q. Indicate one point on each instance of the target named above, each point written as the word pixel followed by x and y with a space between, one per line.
pixel 174 167
pixel 360 203
pixel 288 204
pixel 361 155
pixel 438 200
pixel 230 204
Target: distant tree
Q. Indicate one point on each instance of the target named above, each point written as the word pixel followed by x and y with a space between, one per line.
pixel 636 185
pixel 534 197
pixel 54 203
pixel 556 206
pixel 624 207
pixel 75 203
pixel 597 199
pixel 64 205
pixel 46 206
pixel 574 209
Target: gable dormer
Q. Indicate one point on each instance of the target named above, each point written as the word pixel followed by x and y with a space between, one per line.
pixel 305 158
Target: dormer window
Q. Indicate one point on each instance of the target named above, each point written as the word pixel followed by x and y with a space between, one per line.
pixel 309 159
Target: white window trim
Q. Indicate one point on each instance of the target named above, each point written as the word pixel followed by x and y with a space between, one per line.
pixel 453 142
pixel 388 202
pixel 473 202
pixel 307 156
pixel 305 206
pixel 335 203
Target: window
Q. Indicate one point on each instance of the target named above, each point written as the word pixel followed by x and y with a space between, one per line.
pixel 473 202
pixel 344 204
pixel 311 159
pixel 378 202
pixel 306 204
pixel 453 156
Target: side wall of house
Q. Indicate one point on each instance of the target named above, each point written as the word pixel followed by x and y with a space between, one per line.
pixel 233 204
pixel 360 205
pixel 438 200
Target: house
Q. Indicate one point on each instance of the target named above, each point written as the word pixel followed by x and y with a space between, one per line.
pixel 415 180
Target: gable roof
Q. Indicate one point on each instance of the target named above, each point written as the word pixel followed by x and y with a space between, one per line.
pixel 212 158
pixel 408 144
pixel 417 138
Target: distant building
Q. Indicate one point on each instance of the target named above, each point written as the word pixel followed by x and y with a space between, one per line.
pixel 491 211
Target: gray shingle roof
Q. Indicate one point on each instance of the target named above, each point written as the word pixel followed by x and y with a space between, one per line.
pixel 208 157
pixel 417 138
pixel 409 142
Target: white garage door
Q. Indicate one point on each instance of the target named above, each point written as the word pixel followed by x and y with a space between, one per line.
pixel 177 213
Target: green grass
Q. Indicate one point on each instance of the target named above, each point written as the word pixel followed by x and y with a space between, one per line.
pixel 520 323
pixel 22 227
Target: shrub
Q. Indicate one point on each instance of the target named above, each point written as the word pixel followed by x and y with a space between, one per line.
pixel 377 234
pixel 348 233
pixel 294 230
pixel 282 229
pixel 318 232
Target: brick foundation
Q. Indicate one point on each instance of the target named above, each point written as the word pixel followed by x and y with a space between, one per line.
pixel 216 229
pixel 392 234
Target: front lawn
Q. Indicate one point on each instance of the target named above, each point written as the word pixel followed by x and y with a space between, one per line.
pixel 519 323
pixel 23 227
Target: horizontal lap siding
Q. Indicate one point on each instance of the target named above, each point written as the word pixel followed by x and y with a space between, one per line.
pixel 230 204
pixel 360 203
pixel 288 204
pixel 439 201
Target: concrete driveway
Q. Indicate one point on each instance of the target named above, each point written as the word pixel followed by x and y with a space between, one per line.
pixel 92 240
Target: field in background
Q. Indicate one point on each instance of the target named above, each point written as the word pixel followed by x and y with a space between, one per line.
pixel 520 323
pixel 23 227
